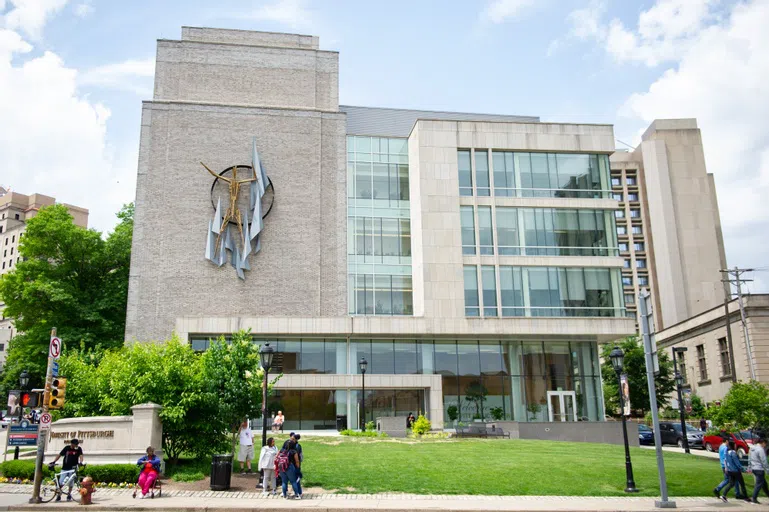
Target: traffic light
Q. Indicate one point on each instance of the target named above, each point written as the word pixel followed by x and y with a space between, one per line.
pixel 58 389
pixel 30 399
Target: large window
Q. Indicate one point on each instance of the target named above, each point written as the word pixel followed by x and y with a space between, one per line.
pixel 504 174
pixel 545 291
pixel 465 173
pixel 702 363
pixel 381 294
pixel 468 230
pixel 482 182
pixel 380 240
pixel 723 351
pixel 485 231
pixel 507 231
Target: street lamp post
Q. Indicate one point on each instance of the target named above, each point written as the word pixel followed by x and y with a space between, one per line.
pixel 23 383
pixel 617 359
pixel 679 385
pixel 265 355
pixel 363 365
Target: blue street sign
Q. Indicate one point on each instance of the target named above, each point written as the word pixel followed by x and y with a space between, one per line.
pixel 55 368
pixel 22 435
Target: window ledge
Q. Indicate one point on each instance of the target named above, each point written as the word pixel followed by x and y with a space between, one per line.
pixel 704 383
pixel 725 378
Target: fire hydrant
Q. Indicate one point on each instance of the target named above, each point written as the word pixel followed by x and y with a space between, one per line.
pixel 86 490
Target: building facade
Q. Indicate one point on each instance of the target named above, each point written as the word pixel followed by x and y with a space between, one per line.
pixel 470 259
pixel 668 224
pixel 708 366
pixel 15 210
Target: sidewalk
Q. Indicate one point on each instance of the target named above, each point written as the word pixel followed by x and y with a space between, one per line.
pixel 120 499
pixel 693 451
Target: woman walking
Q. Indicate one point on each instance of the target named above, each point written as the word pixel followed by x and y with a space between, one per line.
pixel 267 465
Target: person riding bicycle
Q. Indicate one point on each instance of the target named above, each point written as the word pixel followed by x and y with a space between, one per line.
pixel 73 457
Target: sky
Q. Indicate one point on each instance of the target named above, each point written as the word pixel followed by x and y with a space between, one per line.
pixel 73 74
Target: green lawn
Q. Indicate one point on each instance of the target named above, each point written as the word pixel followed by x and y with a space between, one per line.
pixel 497 467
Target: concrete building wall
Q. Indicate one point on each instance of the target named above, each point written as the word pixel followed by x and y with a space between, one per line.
pixel 300 270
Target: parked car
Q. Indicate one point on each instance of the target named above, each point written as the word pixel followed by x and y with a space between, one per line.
pixel 645 434
pixel 670 433
pixel 713 442
pixel 749 437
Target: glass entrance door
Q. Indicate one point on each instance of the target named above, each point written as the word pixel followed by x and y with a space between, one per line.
pixel 562 405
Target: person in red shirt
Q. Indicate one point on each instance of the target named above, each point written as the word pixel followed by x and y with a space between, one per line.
pixel 150 468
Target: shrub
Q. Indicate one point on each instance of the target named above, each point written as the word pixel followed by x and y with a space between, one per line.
pixel 356 433
pixel 370 426
pixel 497 413
pixel 421 426
pixel 431 435
pixel 453 412
pixel 23 469
pixel 113 473
pixel 188 477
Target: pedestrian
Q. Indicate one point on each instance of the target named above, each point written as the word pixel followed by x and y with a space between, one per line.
pixel 709 424
pixel 289 465
pixel 703 425
pixel 267 466
pixel 734 469
pixel 150 468
pixel 277 422
pixel 759 467
pixel 73 457
pixel 246 453
pixel 293 436
pixel 722 450
pixel 410 421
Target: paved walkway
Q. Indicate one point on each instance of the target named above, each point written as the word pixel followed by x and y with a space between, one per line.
pixel 199 501
pixel 693 451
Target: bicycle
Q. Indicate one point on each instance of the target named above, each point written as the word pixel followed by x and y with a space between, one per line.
pixel 56 486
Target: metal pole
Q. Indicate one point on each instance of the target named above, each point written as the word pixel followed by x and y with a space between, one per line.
pixel 21 411
pixel 643 306
pixel 40 436
pixel 363 402
pixel 264 408
pixel 684 440
pixel 744 324
pixel 629 481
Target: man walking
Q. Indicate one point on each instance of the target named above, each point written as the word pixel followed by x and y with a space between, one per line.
pixel 734 470
pixel 759 467
pixel 246 453
pixel 722 457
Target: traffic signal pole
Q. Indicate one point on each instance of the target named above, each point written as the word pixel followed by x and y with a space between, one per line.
pixel 41 436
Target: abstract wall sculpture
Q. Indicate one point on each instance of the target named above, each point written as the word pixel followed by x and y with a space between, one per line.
pixel 234 234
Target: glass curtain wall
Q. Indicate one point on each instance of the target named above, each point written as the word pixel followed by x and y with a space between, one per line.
pixel 378 227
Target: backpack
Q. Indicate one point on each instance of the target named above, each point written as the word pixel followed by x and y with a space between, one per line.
pixel 281 462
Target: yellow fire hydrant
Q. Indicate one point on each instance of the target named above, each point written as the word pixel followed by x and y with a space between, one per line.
pixel 86 490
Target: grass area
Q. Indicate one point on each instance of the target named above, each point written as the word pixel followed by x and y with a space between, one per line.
pixel 491 467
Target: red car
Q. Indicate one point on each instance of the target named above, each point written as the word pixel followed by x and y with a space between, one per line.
pixel 713 442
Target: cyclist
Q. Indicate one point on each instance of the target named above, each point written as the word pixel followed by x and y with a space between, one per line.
pixel 73 457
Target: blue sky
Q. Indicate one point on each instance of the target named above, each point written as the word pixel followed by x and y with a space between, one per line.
pixel 73 74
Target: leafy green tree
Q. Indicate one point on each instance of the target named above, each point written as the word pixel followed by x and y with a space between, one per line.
pixel 698 407
pixel 745 406
pixel 70 278
pixel 232 377
pixel 476 393
pixel 635 367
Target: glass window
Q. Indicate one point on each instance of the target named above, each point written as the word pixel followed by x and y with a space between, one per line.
pixel 468 229
pixel 619 214
pixel 622 230
pixel 504 174
pixel 482 185
pixel 627 281
pixel 360 349
pixel 288 362
pixel 488 276
pixel 637 230
pixel 382 357
pixel 640 263
pixel 469 360
pixel 643 281
pixel 406 357
pixel 617 196
pixel 485 233
pixel 623 247
pixel 507 231
pixel 635 214
pixel 465 173
pixel 383 301
pixel 335 352
pixel 511 291
pixel 639 247
pixel 629 298
pixel 723 351
pixel 446 358
pixel 626 264
pixel 616 182
pixel 313 357
pixel 492 359
pixel 472 305
pixel 632 196
pixel 631 180
pixel 702 363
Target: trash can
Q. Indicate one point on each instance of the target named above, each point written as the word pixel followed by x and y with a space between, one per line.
pixel 221 472
pixel 341 422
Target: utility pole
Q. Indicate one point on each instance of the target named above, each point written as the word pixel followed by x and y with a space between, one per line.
pixel 54 350
pixel 734 278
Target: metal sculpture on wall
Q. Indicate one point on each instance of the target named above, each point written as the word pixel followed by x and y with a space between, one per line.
pixel 249 221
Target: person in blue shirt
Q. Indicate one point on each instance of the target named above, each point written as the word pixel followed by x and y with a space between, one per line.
pixel 722 457
pixel 734 470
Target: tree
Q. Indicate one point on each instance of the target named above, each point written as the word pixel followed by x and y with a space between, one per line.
pixel 635 368
pixel 70 278
pixel 476 393
pixel 233 377
pixel 745 406
pixel 698 407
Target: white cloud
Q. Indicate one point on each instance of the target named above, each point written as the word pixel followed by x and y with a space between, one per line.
pixel 83 10
pixel 721 79
pixel 292 13
pixel 500 11
pixel 585 24
pixel 53 139
pixel 130 75
pixel 30 16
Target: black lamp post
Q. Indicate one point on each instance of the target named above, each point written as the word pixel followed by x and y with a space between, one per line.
pixel 679 385
pixel 363 365
pixel 617 359
pixel 265 355
pixel 23 383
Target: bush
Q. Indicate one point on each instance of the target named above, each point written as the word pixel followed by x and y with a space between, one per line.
pixel 188 477
pixel 431 435
pixel 356 433
pixel 497 413
pixel 370 426
pixel 452 412
pixel 113 473
pixel 23 469
pixel 421 426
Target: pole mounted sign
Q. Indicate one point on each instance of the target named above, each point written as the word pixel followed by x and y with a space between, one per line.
pixel 54 350
pixel 45 421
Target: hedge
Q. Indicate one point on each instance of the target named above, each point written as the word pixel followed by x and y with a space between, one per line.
pixel 107 473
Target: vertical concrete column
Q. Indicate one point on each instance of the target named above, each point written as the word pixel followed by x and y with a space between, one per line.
pixel 147 429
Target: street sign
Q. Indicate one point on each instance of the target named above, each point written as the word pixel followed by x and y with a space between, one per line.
pixel 45 421
pixel 55 368
pixel 54 350
pixel 22 435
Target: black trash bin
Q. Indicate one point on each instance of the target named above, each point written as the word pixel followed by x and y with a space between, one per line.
pixel 341 422
pixel 221 472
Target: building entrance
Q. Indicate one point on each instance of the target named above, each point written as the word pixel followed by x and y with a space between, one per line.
pixel 561 405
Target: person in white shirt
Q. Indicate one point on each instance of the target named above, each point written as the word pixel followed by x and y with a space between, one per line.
pixel 267 465
pixel 246 453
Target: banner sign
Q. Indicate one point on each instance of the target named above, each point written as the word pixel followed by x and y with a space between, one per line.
pixel 625 387
pixel 22 435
